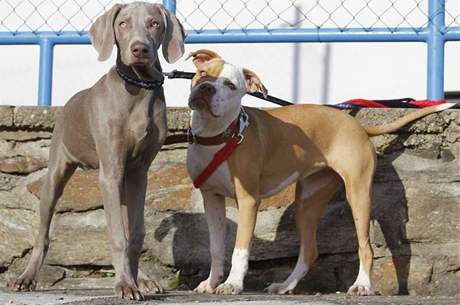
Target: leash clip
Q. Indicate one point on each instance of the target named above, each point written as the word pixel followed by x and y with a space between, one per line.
pixel 239 137
pixel 244 123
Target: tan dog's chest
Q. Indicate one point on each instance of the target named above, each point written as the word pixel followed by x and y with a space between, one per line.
pixel 220 182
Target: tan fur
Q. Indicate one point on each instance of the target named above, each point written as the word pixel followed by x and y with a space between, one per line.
pixel 315 146
pixel 373 131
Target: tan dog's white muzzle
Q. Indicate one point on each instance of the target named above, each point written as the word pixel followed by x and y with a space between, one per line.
pixel 202 95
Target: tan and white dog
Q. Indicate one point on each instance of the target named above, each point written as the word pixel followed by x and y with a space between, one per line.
pixel 316 147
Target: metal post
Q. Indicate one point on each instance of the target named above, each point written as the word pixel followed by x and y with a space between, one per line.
pixel 45 76
pixel 170 5
pixel 435 44
pixel 296 60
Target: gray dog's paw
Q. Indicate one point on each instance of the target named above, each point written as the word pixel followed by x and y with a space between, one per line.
pixel 23 283
pixel 147 284
pixel 128 292
pixel 150 286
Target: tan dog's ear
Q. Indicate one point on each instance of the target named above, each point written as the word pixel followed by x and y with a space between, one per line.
pixel 253 83
pixel 102 33
pixel 173 39
pixel 202 56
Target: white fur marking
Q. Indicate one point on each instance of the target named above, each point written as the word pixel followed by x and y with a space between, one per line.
pixel 296 275
pixel 445 106
pixel 363 278
pixel 239 269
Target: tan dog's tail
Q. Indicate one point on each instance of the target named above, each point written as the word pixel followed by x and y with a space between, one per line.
pixel 373 131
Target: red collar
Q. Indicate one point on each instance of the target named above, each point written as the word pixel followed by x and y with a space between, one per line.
pixel 231 132
pixel 232 136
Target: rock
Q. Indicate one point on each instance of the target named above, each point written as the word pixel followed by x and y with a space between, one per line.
pixel 169 188
pixel 445 277
pixel 12 200
pixel 24 135
pixel 86 283
pixel 426 146
pixel 79 239
pixel 178 119
pixel 434 211
pixel 6 116
pixel 17 231
pixel 452 133
pixel 21 165
pixel 7 182
pixel 402 275
pixel 414 229
pixel 6 148
pixel 29 117
pixel 47 276
pixel 35 149
pixel 80 194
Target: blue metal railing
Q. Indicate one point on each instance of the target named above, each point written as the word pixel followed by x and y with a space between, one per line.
pixel 434 34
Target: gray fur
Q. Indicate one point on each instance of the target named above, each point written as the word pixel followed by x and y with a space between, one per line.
pixel 118 128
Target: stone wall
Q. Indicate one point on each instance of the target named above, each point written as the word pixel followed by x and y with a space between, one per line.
pixel 415 229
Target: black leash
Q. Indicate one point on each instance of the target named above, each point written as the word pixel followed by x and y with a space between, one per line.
pixel 352 104
pixel 189 75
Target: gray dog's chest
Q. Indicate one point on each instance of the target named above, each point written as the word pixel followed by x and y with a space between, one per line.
pixel 146 125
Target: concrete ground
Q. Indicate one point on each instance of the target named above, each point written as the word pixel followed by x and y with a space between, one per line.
pixel 105 297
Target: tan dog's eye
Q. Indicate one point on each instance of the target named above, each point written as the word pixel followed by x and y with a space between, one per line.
pixel 122 24
pixel 230 85
pixel 154 24
pixel 203 73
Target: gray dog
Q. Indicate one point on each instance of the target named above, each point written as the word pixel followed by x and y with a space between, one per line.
pixel 118 126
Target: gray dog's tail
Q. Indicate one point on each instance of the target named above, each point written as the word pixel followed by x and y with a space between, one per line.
pixel 373 131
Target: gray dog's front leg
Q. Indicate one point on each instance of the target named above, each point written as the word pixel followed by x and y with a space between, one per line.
pixel 111 179
pixel 134 198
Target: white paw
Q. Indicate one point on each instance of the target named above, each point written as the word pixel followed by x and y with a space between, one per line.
pixel 279 288
pixel 229 288
pixel 205 287
pixel 360 290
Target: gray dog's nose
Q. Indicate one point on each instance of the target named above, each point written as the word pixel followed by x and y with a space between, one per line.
pixel 139 49
pixel 207 88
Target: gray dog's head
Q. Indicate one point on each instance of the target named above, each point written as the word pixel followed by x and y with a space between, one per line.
pixel 139 29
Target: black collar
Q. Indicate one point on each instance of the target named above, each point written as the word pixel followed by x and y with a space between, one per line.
pixel 145 84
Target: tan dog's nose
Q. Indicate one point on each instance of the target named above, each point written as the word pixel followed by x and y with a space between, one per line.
pixel 207 89
pixel 139 49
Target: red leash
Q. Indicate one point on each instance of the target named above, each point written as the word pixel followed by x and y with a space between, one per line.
pixel 219 157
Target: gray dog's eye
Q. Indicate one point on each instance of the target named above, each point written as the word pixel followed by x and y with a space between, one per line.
pixel 122 24
pixel 154 24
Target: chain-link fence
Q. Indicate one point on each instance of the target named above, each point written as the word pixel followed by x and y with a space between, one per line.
pixel 434 22
pixel 222 15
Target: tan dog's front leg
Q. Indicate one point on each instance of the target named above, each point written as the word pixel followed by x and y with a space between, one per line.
pixel 248 203
pixel 214 206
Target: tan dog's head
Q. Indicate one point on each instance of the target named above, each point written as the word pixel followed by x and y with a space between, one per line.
pixel 218 86
pixel 138 29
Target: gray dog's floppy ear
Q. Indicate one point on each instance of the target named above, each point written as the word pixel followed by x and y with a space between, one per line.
pixel 173 39
pixel 102 33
